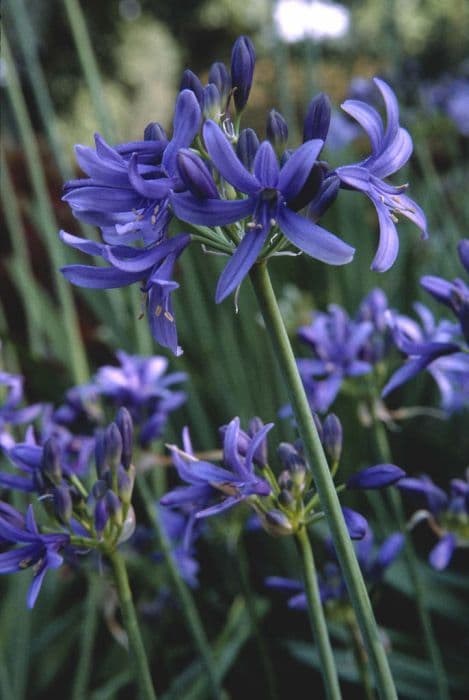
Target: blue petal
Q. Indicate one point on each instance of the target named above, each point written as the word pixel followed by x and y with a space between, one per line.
pixel 240 263
pixel 266 168
pixel 102 198
pixel 89 247
pixel 368 118
pixel 219 507
pixel 98 277
pixel 183 495
pixel 313 239
pixel 441 554
pixel 14 560
pixel 357 525
pixel 376 477
pixel 185 127
pixel 392 109
pixel 394 156
pixel 155 189
pixel 226 161
pixel 388 246
pixel 142 260
pixel 297 168
pixel 210 212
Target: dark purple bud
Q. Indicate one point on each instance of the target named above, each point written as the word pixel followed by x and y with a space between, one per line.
pixel 247 147
pixel 195 175
pixel 290 458
pixel 100 452
pixel 99 489
pixel 50 465
pixel 277 130
pixel 286 499
pixel 190 81
pixel 357 525
pixel 332 437
pixel 318 118
pixel 63 505
pixel 126 429
pixel 324 197
pixel 284 480
pixel 154 132
pixel 463 251
pixel 114 507
pixel 219 76
pixel 243 59
pixel 441 554
pixel 376 477
pixel 101 516
pixel 276 523
pixel 125 483
pixel 211 105
pixel 113 446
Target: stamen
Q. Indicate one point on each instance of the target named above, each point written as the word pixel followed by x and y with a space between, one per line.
pixel 168 316
pixel 158 310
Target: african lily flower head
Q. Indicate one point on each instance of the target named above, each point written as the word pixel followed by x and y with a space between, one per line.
pixel 269 189
pixel 391 147
pixel 143 386
pixel 229 485
pixel 447 514
pixel 433 346
pixel 40 551
pixel 336 342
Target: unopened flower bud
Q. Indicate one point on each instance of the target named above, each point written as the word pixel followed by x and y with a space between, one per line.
pixel 247 147
pixel 50 465
pixel 357 525
pixel 99 489
pixel 290 458
pixel 376 477
pixel 126 429
pixel 195 174
pixel 191 82
pixel 285 498
pixel 101 516
pixel 114 507
pixel 211 104
pixel 219 76
pixel 284 480
pixel 100 453
pixel 113 446
pixel 243 58
pixel 125 484
pixel 63 506
pixel 332 437
pixel 276 523
pixel 154 132
pixel 277 130
pixel 318 118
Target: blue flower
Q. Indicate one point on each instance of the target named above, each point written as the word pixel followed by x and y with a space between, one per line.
pixel 447 515
pixel 453 294
pixel 269 190
pixel 376 477
pixel 426 346
pixel 336 342
pixel 10 412
pixel 38 551
pixel 142 385
pixel 391 147
pixel 236 481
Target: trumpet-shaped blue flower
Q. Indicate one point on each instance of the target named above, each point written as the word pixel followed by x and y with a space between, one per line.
pixel 36 550
pixel 447 515
pixel 391 147
pixel 269 189
pixel 236 481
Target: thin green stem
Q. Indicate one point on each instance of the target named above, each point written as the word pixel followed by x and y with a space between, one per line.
pixel 186 601
pixel 361 661
pixel 317 617
pixel 323 481
pixel 263 651
pixel 48 223
pixel 384 454
pixel 88 633
pixel 140 667
pixel 89 65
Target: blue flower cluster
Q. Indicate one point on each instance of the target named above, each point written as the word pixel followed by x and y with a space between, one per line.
pixel 235 193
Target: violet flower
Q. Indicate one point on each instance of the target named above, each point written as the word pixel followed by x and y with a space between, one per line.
pixel 391 148
pixel 11 413
pixel 36 550
pixel 336 342
pixel 269 189
pixel 447 515
pixel 236 481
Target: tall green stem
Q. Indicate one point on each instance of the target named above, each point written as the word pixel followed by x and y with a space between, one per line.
pixel 317 618
pixel 137 650
pixel 361 661
pixel 323 480
pixel 383 450
pixel 185 599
